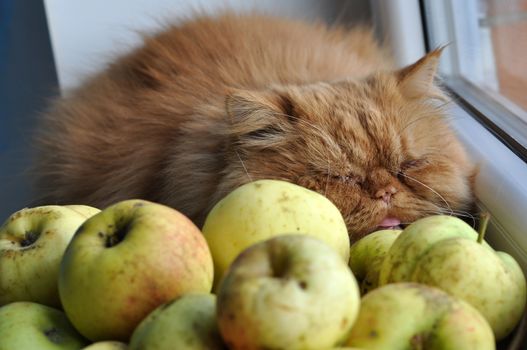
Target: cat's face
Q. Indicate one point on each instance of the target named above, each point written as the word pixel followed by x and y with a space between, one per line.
pixel 379 148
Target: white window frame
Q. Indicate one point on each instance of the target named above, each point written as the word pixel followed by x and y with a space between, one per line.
pixel 501 186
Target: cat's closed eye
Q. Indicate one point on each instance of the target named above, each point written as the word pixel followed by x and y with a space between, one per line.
pixel 413 164
pixel 348 179
pixel 409 165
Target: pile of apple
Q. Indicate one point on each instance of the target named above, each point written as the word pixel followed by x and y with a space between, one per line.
pixel 272 268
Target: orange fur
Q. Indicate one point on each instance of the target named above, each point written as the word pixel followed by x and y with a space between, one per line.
pixel 213 103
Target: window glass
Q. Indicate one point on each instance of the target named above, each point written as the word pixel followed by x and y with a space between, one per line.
pixel 505 23
pixel 484 61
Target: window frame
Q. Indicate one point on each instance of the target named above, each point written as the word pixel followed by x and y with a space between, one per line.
pixel 501 185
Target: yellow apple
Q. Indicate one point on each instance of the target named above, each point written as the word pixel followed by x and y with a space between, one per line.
pixel 26 326
pixel 445 252
pixel 32 242
pixel 126 261
pixel 188 322
pixel 367 256
pixel 107 345
pixel 288 292
pixel 404 316
pixel 263 209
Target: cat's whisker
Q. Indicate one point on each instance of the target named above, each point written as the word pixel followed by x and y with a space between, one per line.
pixel 438 113
pixel 457 213
pixel 243 165
pixel 426 116
pixel 463 212
pixel 327 177
pixel 467 215
pixel 448 118
pixel 429 188
pixel 448 210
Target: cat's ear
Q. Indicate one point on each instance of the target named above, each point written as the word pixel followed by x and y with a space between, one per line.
pixel 259 118
pixel 416 81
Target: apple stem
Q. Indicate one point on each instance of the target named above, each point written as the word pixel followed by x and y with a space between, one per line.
pixel 484 221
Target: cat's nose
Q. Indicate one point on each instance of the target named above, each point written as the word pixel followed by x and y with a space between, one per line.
pixel 386 193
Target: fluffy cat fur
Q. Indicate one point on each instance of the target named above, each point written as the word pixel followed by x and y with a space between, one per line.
pixel 214 102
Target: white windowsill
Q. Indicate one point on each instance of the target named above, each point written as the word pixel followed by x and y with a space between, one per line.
pixel 501 185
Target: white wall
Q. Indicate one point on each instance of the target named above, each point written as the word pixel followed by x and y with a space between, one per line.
pixel 87 34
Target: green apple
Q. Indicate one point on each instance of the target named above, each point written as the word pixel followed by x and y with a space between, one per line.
pixel 288 292
pixel 367 255
pixel 444 252
pixel 107 345
pixel 28 325
pixel 188 322
pixel 32 242
pixel 84 210
pixel 126 261
pixel 416 238
pixel 266 208
pixel 416 316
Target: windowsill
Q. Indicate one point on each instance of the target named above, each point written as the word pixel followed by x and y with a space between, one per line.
pixel 501 185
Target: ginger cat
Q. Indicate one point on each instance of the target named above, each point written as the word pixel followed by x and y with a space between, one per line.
pixel 214 102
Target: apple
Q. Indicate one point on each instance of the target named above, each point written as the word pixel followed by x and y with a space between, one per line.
pixel 126 261
pixel 416 316
pixel 367 255
pixel 288 292
pixel 28 325
pixel 107 345
pixel 32 242
pixel 403 255
pixel 188 322
pixel 444 252
pixel 84 210
pixel 263 209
